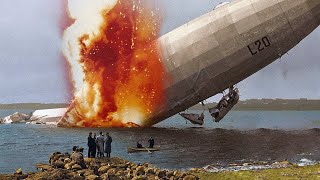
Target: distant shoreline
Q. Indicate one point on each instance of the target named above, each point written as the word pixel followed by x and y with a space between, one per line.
pixel 270 105
pixel 35 106
pixel 246 105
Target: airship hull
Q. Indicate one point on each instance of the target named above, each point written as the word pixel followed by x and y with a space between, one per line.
pixel 225 46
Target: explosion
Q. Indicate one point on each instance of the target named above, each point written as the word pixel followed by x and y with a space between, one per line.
pixel 114 62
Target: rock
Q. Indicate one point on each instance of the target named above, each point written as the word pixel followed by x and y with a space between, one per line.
pixel 161 173
pixel 196 170
pixel 146 165
pixel 149 171
pixel 177 173
pixel 103 169
pixel 44 167
pixel 81 172
pixel 76 167
pixel 88 173
pixel 111 172
pixel 69 165
pixel 18 171
pixel 139 171
pixel 169 174
pixel 67 160
pixel 190 177
pixel 282 164
pixel 183 175
pixel 247 164
pixel 55 174
pixel 140 178
pixel 94 168
pixel 58 164
pixel 92 177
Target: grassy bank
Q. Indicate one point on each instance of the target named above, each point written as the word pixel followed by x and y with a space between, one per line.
pixel 307 172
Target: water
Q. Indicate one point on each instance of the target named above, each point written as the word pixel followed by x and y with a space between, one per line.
pixel 242 136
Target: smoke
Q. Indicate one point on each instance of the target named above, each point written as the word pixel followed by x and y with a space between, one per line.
pixel 114 62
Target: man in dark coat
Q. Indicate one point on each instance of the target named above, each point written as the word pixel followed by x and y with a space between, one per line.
pixel 107 146
pixel 91 145
pixel 151 142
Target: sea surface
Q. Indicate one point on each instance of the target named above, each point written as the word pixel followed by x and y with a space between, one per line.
pixel 241 137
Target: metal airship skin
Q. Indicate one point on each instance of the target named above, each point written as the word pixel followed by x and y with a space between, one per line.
pixel 230 43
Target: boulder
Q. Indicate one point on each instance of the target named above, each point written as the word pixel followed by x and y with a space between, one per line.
pixel 88 173
pixel 112 172
pixel 58 164
pixel 55 174
pixel 190 177
pixel 139 171
pixel 92 177
pixel 18 171
pixel 76 167
pixel 169 174
pixel 149 171
pixel 177 173
pixel 140 178
pixel 103 169
pixel 44 167
pixel 69 165
pixel 161 173
pixel 104 176
pixel 67 160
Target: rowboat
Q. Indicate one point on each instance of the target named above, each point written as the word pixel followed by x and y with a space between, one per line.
pixel 144 149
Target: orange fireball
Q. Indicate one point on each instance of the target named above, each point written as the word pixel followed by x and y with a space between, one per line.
pixel 121 71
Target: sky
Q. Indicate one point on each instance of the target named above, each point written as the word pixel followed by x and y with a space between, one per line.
pixel 32 70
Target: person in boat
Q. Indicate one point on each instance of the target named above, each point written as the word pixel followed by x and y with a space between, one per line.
pixel 108 142
pixel 139 145
pixel 151 142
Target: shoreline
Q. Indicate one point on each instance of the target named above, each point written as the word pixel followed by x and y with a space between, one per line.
pixel 61 166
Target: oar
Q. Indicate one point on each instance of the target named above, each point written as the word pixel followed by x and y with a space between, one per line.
pixel 148 150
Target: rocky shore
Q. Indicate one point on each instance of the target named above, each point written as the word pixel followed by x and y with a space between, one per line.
pixel 62 167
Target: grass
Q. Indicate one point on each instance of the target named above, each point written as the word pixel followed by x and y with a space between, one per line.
pixel 292 173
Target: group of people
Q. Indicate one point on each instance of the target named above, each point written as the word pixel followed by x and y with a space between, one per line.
pixel 150 141
pixel 99 145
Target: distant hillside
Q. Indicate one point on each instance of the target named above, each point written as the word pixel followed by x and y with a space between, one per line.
pixel 272 104
pixel 251 104
pixel 34 106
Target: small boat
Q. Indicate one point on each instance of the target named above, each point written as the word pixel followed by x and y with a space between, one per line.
pixel 143 149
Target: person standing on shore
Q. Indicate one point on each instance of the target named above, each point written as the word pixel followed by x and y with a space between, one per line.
pixel 108 142
pixel 91 145
pixel 100 145
pixel 94 152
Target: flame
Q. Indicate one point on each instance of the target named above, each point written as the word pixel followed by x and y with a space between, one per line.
pixel 114 61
